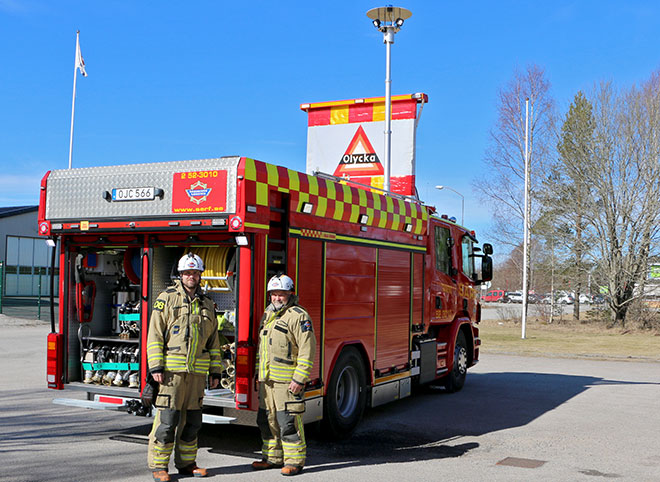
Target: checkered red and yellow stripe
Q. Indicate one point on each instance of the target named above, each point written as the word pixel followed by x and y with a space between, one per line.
pixel 331 199
pixel 362 110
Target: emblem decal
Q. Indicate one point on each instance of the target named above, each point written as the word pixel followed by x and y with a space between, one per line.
pixel 198 192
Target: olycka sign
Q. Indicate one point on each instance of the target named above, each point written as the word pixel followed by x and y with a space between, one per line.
pixel 346 138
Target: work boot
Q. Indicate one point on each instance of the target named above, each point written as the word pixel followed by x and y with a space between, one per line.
pixel 133 381
pixel 161 475
pixel 291 469
pixel 108 378
pixel 192 469
pixel 264 464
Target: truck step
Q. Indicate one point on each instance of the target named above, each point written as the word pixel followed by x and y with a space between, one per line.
pixel 99 405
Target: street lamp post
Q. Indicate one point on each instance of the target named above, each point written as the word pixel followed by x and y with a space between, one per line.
pixel 388 20
pixel 462 201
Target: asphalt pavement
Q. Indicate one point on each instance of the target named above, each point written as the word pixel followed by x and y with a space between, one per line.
pixel 518 418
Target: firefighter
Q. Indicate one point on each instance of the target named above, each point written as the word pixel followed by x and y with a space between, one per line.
pixel 286 354
pixel 182 348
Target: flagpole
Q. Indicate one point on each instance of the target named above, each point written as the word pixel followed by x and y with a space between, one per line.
pixel 526 226
pixel 73 101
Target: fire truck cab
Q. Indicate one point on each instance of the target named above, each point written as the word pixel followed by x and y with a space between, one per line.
pixel 389 286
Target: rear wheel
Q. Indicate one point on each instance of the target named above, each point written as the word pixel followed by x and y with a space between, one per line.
pixel 456 378
pixel 346 397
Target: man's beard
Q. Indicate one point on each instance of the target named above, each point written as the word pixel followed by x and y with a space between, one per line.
pixel 278 305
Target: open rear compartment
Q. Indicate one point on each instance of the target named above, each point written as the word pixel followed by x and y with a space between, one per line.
pixel 102 316
pixel 110 291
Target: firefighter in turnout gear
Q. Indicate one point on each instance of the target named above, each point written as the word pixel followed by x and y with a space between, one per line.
pixel 286 353
pixel 182 348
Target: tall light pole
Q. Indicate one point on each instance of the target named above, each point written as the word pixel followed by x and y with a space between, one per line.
pixel 462 201
pixel 388 20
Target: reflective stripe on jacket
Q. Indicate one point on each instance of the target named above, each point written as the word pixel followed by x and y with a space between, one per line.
pixel 183 333
pixel 286 344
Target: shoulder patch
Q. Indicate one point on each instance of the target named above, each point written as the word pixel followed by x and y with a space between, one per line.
pixel 159 305
pixel 170 290
pixel 306 325
pixel 297 310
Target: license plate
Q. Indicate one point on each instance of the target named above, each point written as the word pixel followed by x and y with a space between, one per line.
pixel 133 194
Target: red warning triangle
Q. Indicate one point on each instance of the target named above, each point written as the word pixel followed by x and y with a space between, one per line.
pixel 360 158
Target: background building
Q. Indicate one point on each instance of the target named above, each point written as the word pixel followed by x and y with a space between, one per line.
pixel 25 255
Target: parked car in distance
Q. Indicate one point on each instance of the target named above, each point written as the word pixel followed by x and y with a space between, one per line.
pixel 585 299
pixel 565 300
pixel 534 298
pixel 513 297
pixel 493 296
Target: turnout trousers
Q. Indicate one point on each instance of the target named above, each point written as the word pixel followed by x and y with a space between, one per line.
pixel 177 421
pixel 280 421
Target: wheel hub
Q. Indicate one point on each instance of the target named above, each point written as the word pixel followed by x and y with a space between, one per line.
pixel 347 391
pixel 461 359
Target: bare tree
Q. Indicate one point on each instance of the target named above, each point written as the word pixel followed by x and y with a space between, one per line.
pixel 504 181
pixel 623 179
pixel 503 185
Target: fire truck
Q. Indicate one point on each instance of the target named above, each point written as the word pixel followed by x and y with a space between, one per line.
pixel 389 285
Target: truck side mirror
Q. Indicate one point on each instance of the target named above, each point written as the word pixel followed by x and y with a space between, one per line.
pixel 488 248
pixel 486 268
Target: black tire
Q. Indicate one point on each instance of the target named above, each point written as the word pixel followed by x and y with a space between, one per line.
pixel 456 378
pixel 346 397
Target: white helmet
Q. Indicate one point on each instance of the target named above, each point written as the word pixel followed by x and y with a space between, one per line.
pixel 190 261
pixel 281 282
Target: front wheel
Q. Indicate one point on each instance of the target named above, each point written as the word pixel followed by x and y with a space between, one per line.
pixel 456 378
pixel 346 397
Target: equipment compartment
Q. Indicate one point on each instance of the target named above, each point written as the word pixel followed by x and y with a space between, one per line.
pixel 104 317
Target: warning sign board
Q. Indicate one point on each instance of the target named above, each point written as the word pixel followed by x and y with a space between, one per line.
pixel 360 158
pixel 345 138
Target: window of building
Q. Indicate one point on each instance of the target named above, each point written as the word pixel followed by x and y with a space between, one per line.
pixel 27 267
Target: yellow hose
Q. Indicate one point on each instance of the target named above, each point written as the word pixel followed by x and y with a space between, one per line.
pixel 215 262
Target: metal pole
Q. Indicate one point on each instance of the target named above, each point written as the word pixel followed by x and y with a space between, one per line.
pixel 52 288
pixel 462 201
pixel 388 37
pixel 462 208
pixel 39 297
pixel 526 223
pixel 73 101
pixel 2 283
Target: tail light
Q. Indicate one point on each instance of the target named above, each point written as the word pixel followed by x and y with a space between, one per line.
pixel 55 361
pixel 245 361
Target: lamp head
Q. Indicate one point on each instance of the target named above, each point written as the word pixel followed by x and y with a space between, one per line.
pixel 389 16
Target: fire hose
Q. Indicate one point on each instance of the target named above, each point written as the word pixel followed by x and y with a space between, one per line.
pixel 215 264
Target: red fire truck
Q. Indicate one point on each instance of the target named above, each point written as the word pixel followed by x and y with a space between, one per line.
pixel 390 287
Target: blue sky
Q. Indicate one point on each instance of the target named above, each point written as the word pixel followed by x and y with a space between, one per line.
pixel 189 80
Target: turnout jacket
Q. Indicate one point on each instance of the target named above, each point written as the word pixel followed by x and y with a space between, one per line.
pixel 287 344
pixel 183 333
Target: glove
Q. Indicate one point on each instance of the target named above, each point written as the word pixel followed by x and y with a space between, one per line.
pixel 149 392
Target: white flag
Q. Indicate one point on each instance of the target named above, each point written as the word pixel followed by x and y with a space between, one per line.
pixel 80 62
